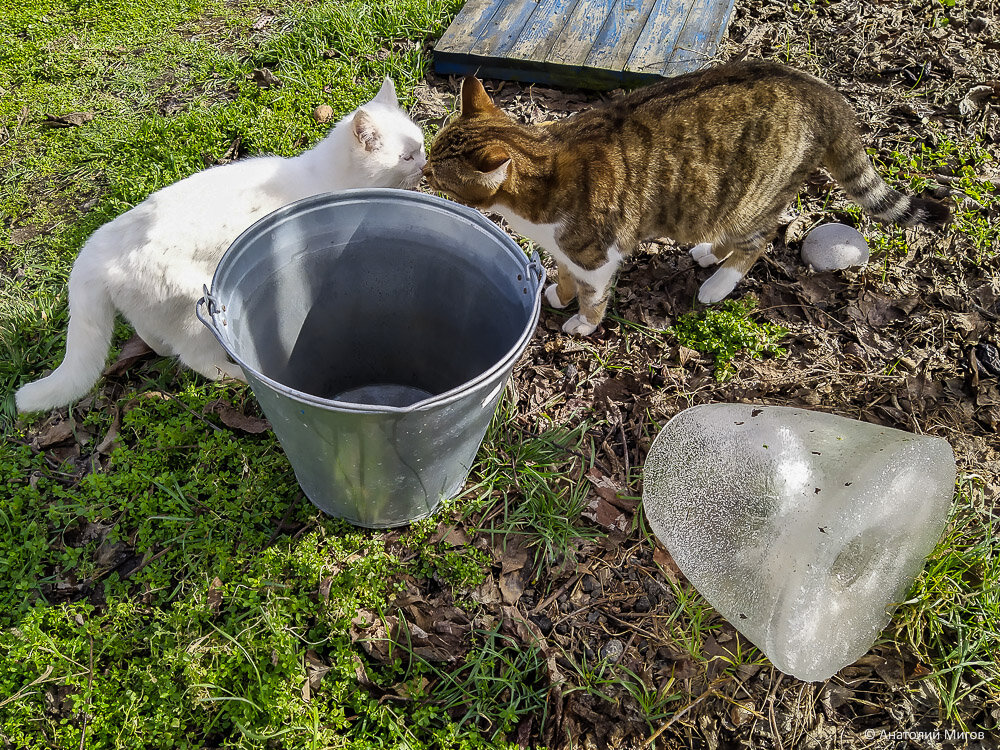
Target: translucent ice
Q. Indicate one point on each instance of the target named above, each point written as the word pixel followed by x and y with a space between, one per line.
pixel 803 529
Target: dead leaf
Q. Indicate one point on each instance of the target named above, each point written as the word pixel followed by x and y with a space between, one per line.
pixel 875 309
pixel 666 562
pixel 611 491
pixel 324 588
pixel 513 559
pixel 54 434
pixel 515 555
pixel 73 119
pixel 214 596
pixel 618 389
pixel 264 78
pixel 236 420
pixel 316 669
pixel 606 515
pixel 133 350
pixel 450 535
pixel 111 436
pixel 511 587
pixel 977 97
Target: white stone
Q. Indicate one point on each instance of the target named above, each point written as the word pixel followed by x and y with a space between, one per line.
pixel 803 529
pixel 831 247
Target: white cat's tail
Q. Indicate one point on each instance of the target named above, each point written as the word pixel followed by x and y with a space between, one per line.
pixel 91 324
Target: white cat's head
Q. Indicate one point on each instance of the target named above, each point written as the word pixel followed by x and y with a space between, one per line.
pixel 387 147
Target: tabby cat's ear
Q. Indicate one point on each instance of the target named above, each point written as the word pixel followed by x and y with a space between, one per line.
pixel 493 170
pixel 475 100
pixel 387 94
pixel 366 131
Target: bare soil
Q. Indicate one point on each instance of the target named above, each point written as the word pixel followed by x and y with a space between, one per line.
pixel 904 342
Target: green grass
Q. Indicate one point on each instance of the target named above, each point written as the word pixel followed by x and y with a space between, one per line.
pixel 951 618
pixel 179 591
pixel 535 487
pixel 728 331
pixel 958 163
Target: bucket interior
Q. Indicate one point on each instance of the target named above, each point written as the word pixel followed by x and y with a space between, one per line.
pixel 372 304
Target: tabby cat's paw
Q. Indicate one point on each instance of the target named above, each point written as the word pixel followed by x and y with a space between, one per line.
pixel 719 285
pixel 578 326
pixel 552 297
pixel 702 254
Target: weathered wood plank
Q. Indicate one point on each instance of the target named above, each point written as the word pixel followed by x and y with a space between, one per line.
pixel 542 29
pixel 699 39
pixel 621 30
pixel 655 44
pixel 582 43
pixel 505 28
pixel 580 32
pixel 468 25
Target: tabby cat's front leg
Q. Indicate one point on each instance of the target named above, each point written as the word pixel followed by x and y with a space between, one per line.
pixel 593 287
pixel 593 303
pixel 563 291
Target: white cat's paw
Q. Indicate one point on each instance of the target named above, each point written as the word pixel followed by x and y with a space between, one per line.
pixel 552 296
pixel 702 254
pixel 719 285
pixel 578 326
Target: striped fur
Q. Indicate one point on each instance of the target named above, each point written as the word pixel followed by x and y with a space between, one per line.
pixel 710 157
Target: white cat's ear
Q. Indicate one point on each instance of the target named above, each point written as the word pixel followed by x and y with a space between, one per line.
pixel 366 131
pixel 387 94
pixel 495 177
pixel 475 100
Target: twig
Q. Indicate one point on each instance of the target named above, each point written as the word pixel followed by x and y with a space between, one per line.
pixel 149 560
pixel 556 594
pixel 712 690
pixel 90 694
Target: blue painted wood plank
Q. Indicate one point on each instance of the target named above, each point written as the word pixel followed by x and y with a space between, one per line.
pixel 470 23
pixel 505 28
pixel 700 37
pixel 582 43
pixel 542 29
pixel 581 30
pixel 655 44
pixel 621 30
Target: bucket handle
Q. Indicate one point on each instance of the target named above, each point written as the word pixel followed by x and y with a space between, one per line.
pixel 536 270
pixel 211 308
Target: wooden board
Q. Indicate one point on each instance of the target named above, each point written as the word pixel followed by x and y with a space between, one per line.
pixel 597 44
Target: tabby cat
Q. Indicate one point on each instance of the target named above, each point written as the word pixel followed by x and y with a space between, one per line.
pixel 712 157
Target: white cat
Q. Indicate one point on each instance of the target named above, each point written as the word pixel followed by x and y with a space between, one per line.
pixel 151 263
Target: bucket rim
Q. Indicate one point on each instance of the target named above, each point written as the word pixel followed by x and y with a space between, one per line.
pixel 533 271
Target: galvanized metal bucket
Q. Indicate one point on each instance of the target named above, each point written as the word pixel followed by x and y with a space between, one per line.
pixel 377 329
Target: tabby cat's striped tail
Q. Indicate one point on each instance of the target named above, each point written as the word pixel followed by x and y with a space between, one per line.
pixel 851 167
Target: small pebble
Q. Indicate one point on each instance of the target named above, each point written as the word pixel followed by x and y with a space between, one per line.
pixel 612 651
pixel 544 623
pixel 323 113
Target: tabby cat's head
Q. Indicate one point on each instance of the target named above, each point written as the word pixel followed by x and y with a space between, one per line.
pixel 470 159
